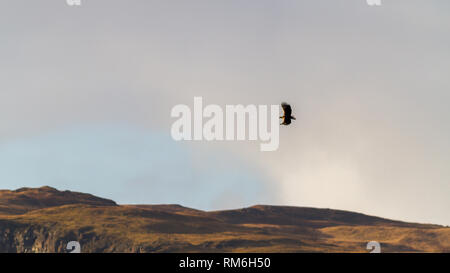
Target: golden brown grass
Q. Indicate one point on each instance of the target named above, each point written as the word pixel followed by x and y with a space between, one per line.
pixel 169 228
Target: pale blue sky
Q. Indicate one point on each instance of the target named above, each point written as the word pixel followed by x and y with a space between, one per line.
pixel 130 165
pixel 86 94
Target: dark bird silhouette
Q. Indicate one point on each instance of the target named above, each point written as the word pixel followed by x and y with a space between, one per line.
pixel 287 114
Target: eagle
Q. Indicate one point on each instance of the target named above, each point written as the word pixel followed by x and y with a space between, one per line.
pixel 287 114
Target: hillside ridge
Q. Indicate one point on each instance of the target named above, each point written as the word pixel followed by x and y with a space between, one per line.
pixel 46 219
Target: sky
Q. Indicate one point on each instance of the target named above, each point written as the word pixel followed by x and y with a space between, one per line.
pixel 86 94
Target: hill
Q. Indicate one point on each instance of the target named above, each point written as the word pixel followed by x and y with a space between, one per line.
pixel 26 199
pixel 45 220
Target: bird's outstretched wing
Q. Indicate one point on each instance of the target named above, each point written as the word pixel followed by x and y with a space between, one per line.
pixel 286 109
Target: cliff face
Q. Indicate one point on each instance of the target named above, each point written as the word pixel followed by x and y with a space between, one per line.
pixel 39 239
pixel 46 220
pixel 25 239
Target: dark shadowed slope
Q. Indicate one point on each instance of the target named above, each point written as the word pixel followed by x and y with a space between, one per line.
pixel 304 216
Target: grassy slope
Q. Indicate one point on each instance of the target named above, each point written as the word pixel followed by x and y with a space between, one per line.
pixel 101 225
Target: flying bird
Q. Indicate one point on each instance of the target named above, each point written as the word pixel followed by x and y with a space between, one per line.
pixel 287 114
